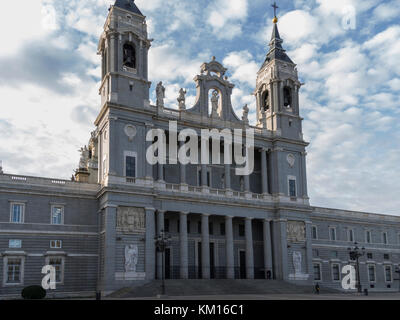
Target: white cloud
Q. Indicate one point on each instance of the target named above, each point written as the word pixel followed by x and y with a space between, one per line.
pixel 168 63
pixel 226 16
pixel 242 67
pixel 20 26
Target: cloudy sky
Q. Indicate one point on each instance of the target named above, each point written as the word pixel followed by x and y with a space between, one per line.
pixel 49 79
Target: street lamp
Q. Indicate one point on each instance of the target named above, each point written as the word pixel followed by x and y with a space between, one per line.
pixel 355 253
pixel 162 242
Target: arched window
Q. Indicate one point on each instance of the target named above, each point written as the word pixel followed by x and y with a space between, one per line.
pixel 287 97
pixel 265 100
pixel 129 56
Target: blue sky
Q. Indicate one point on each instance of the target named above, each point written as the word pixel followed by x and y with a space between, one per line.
pixel 49 79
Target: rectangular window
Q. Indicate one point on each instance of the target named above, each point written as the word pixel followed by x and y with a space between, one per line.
pixel 178 226
pixel 222 229
pixel 369 255
pixel 386 256
pixel 335 272
pixel 351 235
pixel 314 232
pixel 211 228
pixel 14 270
pixel 130 167
pixel 371 273
pixel 292 188
pixel 57 213
pixel 199 227
pixel 17 212
pixel 384 238
pixel 241 230
pixel 57 263
pixel 332 234
pixel 368 236
pixel 188 227
pixel 16 244
pixel 317 272
pixel 334 254
pixel 55 244
pixel 315 253
pixel 388 273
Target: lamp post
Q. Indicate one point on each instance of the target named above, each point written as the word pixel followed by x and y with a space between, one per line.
pixel 355 253
pixel 162 242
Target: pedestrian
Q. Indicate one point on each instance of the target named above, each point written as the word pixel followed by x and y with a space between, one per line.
pixel 317 288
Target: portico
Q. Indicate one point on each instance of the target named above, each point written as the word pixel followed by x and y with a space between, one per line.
pixel 209 246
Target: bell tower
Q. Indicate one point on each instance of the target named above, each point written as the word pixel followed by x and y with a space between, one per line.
pixel 124 47
pixel 277 91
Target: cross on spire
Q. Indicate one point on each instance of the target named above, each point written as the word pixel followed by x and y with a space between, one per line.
pixel 275 7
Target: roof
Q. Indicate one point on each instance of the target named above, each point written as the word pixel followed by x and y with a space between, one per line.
pixel 276 50
pixel 128 5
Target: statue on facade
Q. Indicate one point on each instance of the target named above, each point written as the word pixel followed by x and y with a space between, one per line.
pixel 84 158
pixel 245 116
pixel 214 104
pixel 1 167
pixel 182 99
pixel 160 93
pixel 131 257
pixel 297 262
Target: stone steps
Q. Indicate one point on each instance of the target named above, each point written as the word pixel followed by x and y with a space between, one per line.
pixel 215 287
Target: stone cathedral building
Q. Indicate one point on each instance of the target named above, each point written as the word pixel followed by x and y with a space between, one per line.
pixel 99 229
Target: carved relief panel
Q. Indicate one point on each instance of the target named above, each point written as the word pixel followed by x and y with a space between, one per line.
pixel 296 231
pixel 131 220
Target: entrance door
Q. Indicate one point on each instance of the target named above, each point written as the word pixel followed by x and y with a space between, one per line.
pixel 242 264
pixel 212 261
pixel 167 263
pixel 199 261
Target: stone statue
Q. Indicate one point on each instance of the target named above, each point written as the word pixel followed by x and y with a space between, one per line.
pixel 84 158
pixel 223 181
pixel 297 262
pixel 245 117
pixel 131 258
pixel 182 99
pixel 160 92
pixel 1 167
pixel 214 104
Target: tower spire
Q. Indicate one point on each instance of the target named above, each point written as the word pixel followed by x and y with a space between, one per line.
pixel 276 50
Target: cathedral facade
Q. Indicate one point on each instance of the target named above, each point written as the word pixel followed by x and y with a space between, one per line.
pixel 100 230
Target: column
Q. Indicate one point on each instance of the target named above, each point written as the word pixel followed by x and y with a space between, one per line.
pixel 227 176
pixel 205 247
pixel 204 175
pixel 182 167
pixel 267 248
pixel 183 237
pixel 249 249
pixel 304 175
pixel 230 263
pixel 148 166
pixel 108 277
pixel 150 249
pixel 264 171
pixel 280 252
pixel 160 226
